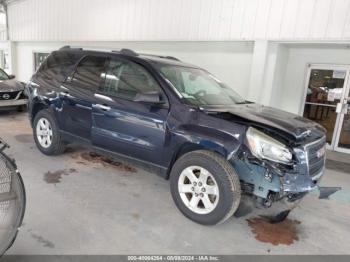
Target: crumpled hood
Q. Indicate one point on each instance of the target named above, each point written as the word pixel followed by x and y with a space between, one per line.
pixel 10 85
pixel 289 123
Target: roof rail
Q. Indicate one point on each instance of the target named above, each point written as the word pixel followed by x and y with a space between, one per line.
pixel 172 58
pixel 65 47
pixel 161 56
pixel 125 51
pixel 68 47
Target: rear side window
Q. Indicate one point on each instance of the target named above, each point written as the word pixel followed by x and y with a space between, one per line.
pixel 58 65
pixel 61 58
pixel 125 79
pixel 89 72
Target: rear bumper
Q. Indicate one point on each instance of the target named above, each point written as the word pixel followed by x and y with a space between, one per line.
pixel 12 103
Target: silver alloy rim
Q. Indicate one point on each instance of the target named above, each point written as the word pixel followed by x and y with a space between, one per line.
pixel 44 132
pixel 198 190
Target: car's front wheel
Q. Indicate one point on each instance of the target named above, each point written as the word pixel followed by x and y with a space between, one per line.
pixel 205 187
pixel 46 134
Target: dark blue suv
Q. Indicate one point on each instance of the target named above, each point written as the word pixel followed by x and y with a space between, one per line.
pixel 182 121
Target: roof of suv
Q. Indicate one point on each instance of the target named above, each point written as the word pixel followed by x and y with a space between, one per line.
pixel 165 60
pixel 154 59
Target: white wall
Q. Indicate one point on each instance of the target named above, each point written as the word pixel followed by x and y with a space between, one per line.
pixel 293 86
pixel 210 33
pixel 229 61
pixel 189 20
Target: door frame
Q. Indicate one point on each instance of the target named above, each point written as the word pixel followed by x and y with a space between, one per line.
pixel 345 95
pixel 340 117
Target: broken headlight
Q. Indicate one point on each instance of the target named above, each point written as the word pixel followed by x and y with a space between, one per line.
pixel 263 146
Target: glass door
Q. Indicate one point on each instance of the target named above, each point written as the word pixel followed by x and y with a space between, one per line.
pixel 343 136
pixel 326 86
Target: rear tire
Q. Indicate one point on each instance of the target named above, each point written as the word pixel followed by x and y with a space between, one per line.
pixel 205 187
pixel 46 134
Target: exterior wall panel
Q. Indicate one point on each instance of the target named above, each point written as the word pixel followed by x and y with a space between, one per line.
pixel 195 20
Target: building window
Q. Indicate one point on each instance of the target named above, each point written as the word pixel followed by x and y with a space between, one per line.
pixel 39 58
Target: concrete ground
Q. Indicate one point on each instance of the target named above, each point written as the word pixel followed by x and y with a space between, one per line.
pixel 76 205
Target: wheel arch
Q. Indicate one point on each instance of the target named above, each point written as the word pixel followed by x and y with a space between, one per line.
pixel 37 107
pixel 204 144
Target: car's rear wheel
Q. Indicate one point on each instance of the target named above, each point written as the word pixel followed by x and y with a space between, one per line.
pixel 46 134
pixel 205 187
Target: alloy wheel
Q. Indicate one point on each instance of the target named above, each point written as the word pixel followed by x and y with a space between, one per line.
pixel 44 132
pixel 198 190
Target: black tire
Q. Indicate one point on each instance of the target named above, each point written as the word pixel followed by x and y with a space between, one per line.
pixel 57 145
pixel 227 181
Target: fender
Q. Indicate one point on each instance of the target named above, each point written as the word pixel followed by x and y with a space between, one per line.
pixel 40 100
pixel 212 139
pixel 190 137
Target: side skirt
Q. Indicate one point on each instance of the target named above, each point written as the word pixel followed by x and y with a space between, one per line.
pixel 148 166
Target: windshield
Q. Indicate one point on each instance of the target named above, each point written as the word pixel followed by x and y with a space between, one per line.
pixel 3 75
pixel 199 87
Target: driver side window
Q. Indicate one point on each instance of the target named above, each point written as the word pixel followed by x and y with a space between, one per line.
pixel 124 79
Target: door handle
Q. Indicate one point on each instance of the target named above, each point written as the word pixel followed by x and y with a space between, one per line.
pixel 102 107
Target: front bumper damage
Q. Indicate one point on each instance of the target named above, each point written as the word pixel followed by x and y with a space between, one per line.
pixel 270 187
pixel 295 183
pixel 274 194
pixel 270 182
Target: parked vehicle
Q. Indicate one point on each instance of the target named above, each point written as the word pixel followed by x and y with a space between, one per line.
pixel 211 143
pixel 12 95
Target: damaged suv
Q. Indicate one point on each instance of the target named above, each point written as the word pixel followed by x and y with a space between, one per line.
pixel 187 125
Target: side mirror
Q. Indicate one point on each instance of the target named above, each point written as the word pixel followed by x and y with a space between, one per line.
pixel 12 76
pixel 152 97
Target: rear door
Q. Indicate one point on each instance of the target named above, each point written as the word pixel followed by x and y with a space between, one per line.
pixel 77 96
pixel 121 125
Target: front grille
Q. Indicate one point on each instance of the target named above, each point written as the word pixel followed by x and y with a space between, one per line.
pixel 8 95
pixel 315 161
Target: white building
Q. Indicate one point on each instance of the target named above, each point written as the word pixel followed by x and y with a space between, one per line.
pixel 264 49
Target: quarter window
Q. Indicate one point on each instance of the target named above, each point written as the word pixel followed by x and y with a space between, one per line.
pixel 125 79
pixel 89 72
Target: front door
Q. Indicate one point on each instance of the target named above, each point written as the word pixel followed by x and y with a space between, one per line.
pixel 325 103
pixel 121 125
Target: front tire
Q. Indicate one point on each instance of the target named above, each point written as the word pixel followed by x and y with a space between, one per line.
pixel 46 134
pixel 205 187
